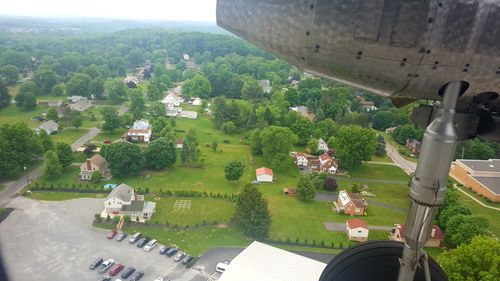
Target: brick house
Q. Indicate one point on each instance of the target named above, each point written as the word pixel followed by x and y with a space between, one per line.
pixel 140 132
pixel 482 176
pixel 96 163
pixel 350 204
pixel 414 145
pixel 356 230
pixel 398 234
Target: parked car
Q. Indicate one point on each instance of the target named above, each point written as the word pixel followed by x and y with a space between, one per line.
pixel 95 264
pixel 121 236
pixel 134 238
pixel 179 256
pixel 112 234
pixel 104 278
pixel 151 244
pixel 187 259
pixel 137 276
pixel 171 252
pixel 127 272
pixel 164 249
pixel 107 264
pixel 115 269
pixel 142 242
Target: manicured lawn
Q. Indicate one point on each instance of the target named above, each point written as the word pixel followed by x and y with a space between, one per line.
pixel 493 216
pixel 102 136
pixel 202 210
pixel 379 172
pixel 13 90
pixel 69 176
pixel 13 114
pixel 385 159
pixel 59 196
pixel 69 135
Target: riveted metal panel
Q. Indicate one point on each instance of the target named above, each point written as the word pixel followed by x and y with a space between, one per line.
pixel 458 26
pixel 409 22
pixel 368 20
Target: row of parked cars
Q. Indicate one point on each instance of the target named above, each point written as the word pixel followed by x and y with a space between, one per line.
pixel 166 250
pixel 102 266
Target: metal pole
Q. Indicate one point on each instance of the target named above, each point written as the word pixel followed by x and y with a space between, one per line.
pixel 428 185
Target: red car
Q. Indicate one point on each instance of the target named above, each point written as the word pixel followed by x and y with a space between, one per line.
pixel 112 234
pixel 116 268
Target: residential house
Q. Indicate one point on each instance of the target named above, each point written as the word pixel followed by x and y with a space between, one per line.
pixel 185 57
pixel 173 98
pixel 140 132
pixel 96 163
pixel 131 81
pixel 81 105
pixel 301 160
pixel 172 111
pixel 179 143
pixel 196 101
pixel 482 176
pixel 356 230
pixel 350 204
pixel 322 146
pixel 48 126
pixel 302 110
pixel 73 99
pixel 56 103
pixel 264 174
pixel 123 201
pixel 369 105
pixel 390 130
pixel 265 84
pixel 328 164
pixel 414 145
pixel 189 114
pixel 398 234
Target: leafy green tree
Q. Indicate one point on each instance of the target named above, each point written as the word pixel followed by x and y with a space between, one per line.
pixel 477 260
pixel 198 86
pixel 116 90
pixel 330 183
pixel 58 90
pixel 160 154
pixel 252 90
pixel 354 144
pixel 449 212
pixel 18 146
pixel 53 168
pixel 234 170
pixel 305 189
pixel 303 128
pixel 64 153
pixel 29 87
pixel 404 132
pixel 110 118
pixel 78 85
pixel 474 149
pixel 229 128
pixel 326 128
pixel 4 95
pixel 252 213
pixel 214 145
pixel 383 120
pixel 312 145
pixel 45 79
pixel 46 141
pixel 276 140
pixel 309 83
pixel 96 177
pixel 137 104
pixel 96 87
pixel 52 114
pixel 189 155
pixel 26 100
pixel 11 74
pixel 16 58
pixel 380 150
pixel 76 119
pixel 124 159
pixel 157 109
pixel 461 228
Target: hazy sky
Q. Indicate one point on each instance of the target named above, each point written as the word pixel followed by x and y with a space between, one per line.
pixel 178 10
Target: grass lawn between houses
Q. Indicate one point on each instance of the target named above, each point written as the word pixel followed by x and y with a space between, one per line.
pixel 69 135
pixel 291 218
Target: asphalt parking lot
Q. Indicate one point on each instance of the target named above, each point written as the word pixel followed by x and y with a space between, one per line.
pixel 56 241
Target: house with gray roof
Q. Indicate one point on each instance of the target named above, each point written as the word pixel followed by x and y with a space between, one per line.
pixel 49 126
pixel 123 201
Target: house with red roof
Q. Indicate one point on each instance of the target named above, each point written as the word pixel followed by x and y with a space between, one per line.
pixel 356 230
pixel 264 174
pixel 350 204
pixel 437 236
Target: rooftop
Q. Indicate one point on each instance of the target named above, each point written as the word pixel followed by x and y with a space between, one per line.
pixel 123 192
pixel 491 165
pixel 264 171
pixel 492 183
pixel 353 223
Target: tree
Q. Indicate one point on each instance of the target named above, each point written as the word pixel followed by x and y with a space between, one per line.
pixel 26 100
pixel 354 144
pixel 124 159
pixel 116 90
pixel 303 128
pixel 214 145
pixel 160 154
pixel 474 149
pixel 189 154
pixel 96 87
pixel 53 167
pixel 137 104
pixel 96 177
pixel 64 153
pixel 52 114
pixel 29 87
pixel 157 109
pixel 58 90
pixel 46 141
pixel 449 212
pixel 11 74
pixel 275 141
pixel 312 145
pixel 110 118
pixel 229 128
pixel 252 90
pixel 252 213
pixel 404 132
pixel 76 119
pixel 4 95
pixel 78 85
pixel 45 79
pixel 330 183
pixel 234 170
pixel 198 86
pixel 383 120
pixel 305 189
pixel 380 150
pixel 477 260
pixel 461 228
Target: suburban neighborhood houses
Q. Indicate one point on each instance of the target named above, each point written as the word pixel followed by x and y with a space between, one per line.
pixel 96 163
pixel 48 126
pixel 123 201
pixel 436 239
pixel 141 131
pixel 350 204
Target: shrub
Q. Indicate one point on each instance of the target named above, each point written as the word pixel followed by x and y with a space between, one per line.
pixel 97 217
pixel 226 141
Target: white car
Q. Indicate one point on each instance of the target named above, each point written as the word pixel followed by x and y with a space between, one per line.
pixel 151 244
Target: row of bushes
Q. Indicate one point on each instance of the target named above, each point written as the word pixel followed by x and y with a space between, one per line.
pixel 175 227
pixel 307 243
pixel 195 193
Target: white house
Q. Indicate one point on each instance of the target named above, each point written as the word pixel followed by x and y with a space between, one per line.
pixel 140 132
pixel 123 201
pixel 196 101
pixel 264 174
pixel 301 160
pixel 356 230
pixel 189 114
pixel 322 146
pixel 185 57
pixel 48 126
pixel 328 164
pixel 265 84
pixel 74 99
pixel 173 98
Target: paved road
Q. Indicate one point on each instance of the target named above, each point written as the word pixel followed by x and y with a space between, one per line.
pixel 92 133
pixel 335 226
pixel 407 166
pixel 56 241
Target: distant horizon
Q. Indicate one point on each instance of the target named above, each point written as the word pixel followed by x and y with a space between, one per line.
pixel 107 19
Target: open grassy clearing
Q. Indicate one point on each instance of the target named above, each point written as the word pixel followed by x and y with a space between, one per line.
pixel 69 135
pixel 116 134
pixel 379 172
pixel 493 216
pixel 13 90
pixel 13 114
pixel 478 197
pixel 385 159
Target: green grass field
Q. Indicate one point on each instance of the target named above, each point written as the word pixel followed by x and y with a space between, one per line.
pixel 102 136
pixel 379 172
pixel 13 114
pixel 69 135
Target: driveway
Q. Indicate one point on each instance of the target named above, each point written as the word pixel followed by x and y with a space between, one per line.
pixel 56 241
pixel 85 138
